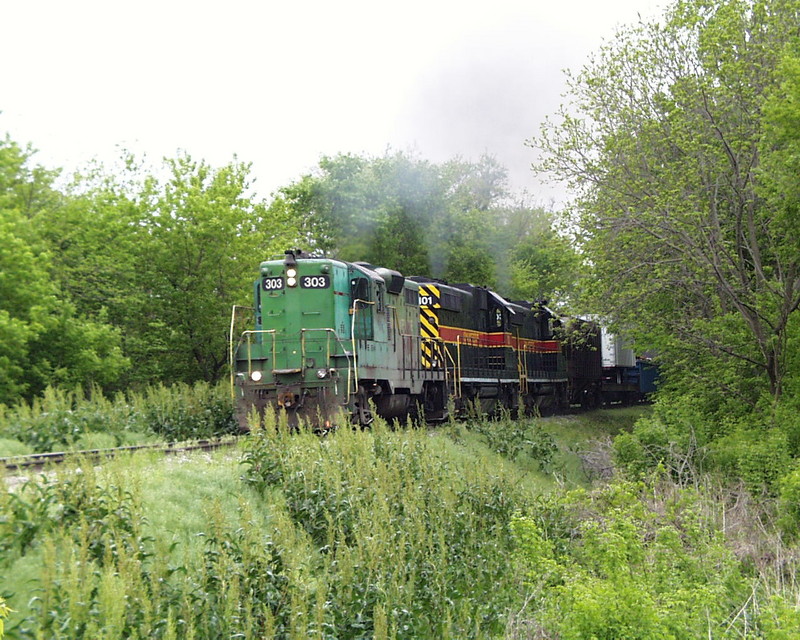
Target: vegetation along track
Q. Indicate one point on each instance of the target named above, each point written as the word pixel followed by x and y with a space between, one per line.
pixel 38 461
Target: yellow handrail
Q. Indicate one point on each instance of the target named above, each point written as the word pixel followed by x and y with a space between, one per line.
pixel 247 334
pixel 353 339
pixel 522 367
pixel 231 349
pixel 456 369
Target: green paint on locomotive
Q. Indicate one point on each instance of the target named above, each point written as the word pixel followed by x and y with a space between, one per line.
pixel 329 336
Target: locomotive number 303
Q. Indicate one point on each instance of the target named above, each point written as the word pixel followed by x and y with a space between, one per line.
pixel 315 282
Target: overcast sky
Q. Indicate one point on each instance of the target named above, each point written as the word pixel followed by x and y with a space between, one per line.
pixel 279 84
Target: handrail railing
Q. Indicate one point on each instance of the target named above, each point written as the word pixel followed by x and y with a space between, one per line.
pixel 255 332
pixel 522 366
pixel 353 339
pixel 456 368
pixel 231 349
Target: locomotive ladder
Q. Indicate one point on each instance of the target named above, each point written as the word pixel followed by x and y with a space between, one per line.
pixel 522 368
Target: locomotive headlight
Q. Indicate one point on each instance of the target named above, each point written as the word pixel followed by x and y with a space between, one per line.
pixel 322 373
pixel 255 376
pixel 291 277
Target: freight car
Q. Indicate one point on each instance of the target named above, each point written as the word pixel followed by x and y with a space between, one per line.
pixel 332 338
pixel 603 368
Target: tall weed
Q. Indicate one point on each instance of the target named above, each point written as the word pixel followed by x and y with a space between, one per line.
pixel 406 542
pixel 515 437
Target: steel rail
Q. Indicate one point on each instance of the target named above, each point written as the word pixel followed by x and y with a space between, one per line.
pixel 37 461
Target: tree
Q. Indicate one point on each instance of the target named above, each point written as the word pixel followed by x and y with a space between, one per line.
pixel 454 220
pixel 544 266
pixel 357 205
pixel 666 140
pixel 44 340
pixel 198 238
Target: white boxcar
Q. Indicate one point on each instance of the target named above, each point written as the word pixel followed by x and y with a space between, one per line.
pixel 616 351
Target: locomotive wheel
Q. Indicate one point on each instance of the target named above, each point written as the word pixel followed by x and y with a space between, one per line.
pixel 363 415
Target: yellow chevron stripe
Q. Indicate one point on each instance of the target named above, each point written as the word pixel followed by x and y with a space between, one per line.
pixel 428 322
pixel 427 329
pixel 430 315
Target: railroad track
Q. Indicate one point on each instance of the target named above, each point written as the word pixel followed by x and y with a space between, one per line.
pixel 38 461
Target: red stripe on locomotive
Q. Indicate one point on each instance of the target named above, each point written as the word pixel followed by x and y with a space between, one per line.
pixel 454 335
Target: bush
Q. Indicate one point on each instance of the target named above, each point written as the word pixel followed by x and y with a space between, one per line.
pixel 620 563
pixel 70 419
pixel 10 448
pixel 759 457
pixel 652 446
pixel 631 456
pixel 789 504
pixel 407 542
pixel 513 438
pixel 184 412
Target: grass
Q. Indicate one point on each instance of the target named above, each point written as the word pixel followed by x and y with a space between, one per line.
pixel 584 441
pixel 12 447
pixel 162 504
pixel 578 428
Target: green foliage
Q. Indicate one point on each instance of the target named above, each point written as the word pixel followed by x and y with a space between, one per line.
pixel 789 504
pixel 406 538
pixel 184 412
pixel 380 534
pixel 4 613
pixel 10 447
pixel 43 340
pixel 359 534
pixel 544 265
pixel 626 562
pixel 100 577
pixel 142 265
pixel 72 420
pixel 779 619
pixel 759 457
pixel 687 439
pixel 455 221
pixel 355 206
pixel 515 437
pixel 167 251
pixel 674 438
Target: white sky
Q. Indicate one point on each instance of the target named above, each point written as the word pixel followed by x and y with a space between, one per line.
pixel 279 84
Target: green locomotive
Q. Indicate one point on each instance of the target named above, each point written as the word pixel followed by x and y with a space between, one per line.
pixel 329 337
